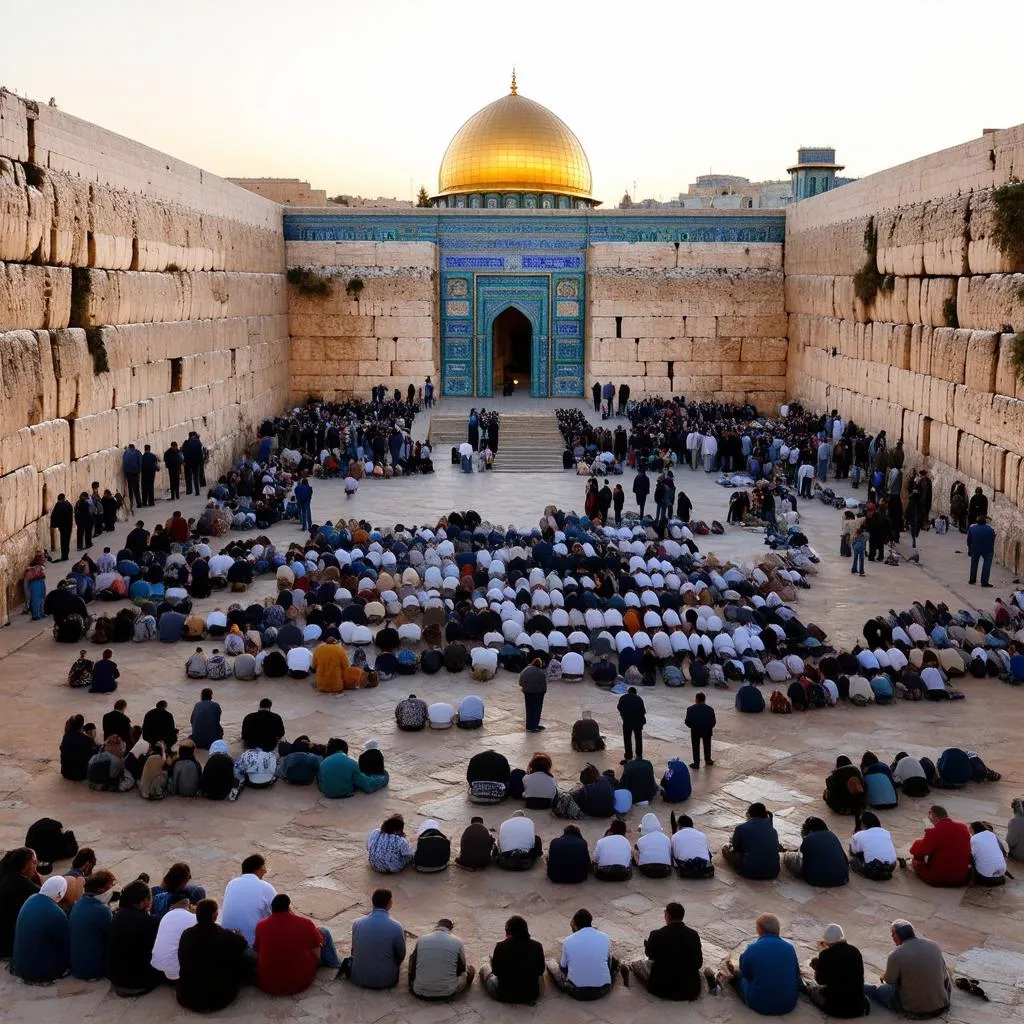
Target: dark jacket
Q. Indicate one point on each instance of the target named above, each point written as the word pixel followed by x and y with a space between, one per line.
pixel 568 860
pixel 488 766
pixel 824 859
pixel 158 724
pixel 14 890
pixel 206 725
pixel 641 485
pixel 75 750
pixel 700 719
pixel 129 949
pixel 476 847
pixel 518 964
pixel 677 958
pixel 263 728
pixel 839 969
pixel 758 843
pixel 632 709
pixel 218 777
pixel 212 966
pixel 90 937
pixel 533 680
pixel 173 460
pixel 596 799
pixel 638 778
pixel 62 516
pixel 117 723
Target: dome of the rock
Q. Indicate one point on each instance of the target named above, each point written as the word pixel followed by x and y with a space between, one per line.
pixel 515 145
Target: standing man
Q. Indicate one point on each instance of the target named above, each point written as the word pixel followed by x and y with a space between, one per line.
pixel 981 542
pixel 633 713
pixel 596 392
pixel 533 681
pixel 641 488
pixel 428 394
pixel 623 398
pixel 700 720
pixel 192 453
pixel 150 464
pixel 62 518
pixel 173 461
pixel 977 506
pixel 304 500
pixel 131 463
pixel 608 394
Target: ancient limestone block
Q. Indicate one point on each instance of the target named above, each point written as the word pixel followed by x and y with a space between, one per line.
pixel 415 349
pixel 414 369
pixel 949 354
pixel 1007 381
pixel 985 303
pixel 385 349
pixel 27 382
pixel 944 231
pixel 935 293
pixel 982 360
pixel 701 326
pixel 49 443
pixel 836 249
pixel 13 132
pixel 111 222
pixel 33 296
pixel 20 500
pixel 20 234
pixel 653 327
pixel 72 364
pixel 983 255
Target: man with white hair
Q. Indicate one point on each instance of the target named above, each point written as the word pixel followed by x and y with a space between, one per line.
pixel 915 980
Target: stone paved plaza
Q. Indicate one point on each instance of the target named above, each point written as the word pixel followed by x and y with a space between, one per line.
pixel 315 847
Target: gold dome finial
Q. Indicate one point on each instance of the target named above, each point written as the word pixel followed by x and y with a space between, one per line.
pixel 514 88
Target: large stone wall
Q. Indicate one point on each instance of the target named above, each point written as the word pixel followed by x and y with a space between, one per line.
pixel 706 320
pixel 175 274
pixel 928 359
pixel 349 341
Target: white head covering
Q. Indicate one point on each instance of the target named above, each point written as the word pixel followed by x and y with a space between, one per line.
pixel 429 823
pixel 55 887
pixel 650 823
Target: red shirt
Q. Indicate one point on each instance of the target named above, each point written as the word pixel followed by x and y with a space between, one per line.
pixel 287 953
pixel 947 845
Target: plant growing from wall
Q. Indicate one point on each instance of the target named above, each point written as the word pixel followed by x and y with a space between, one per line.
pixel 1017 354
pixel 172 268
pixel 354 287
pixel 98 351
pixel 309 282
pixel 868 280
pixel 1008 220
pixel 949 312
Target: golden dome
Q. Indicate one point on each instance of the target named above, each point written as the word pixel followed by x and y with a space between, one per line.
pixel 515 145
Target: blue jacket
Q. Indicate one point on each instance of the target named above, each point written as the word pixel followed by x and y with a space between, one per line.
pixel 981 539
pixel 303 492
pixel 90 937
pixel 675 783
pixel 41 941
pixel 131 460
pixel 378 949
pixel 770 976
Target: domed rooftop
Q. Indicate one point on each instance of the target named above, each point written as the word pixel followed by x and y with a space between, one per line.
pixel 515 145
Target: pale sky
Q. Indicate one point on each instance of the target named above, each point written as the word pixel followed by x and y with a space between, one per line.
pixel 363 98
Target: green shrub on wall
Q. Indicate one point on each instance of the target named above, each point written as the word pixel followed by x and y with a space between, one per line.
pixel 97 350
pixel 867 280
pixel 354 287
pixel 309 282
pixel 1017 354
pixel 1008 220
pixel 949 313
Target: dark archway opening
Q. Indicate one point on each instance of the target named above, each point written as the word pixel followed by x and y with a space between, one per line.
pixel 512 340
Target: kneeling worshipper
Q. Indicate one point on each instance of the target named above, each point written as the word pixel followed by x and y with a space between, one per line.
pixel 653 849
pixel 821 860
pixel 518 845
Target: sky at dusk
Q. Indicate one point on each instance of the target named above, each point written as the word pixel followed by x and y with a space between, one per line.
pixel 363 98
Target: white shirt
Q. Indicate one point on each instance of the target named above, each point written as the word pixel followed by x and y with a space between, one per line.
pixel 585 956
pixel 908 768
pixel 988 857
pixel 867 660
pixel 874 844
pixel 917 633
pixel 299 659
pixel 168 935
pixel 690 844
pixel 471 709
pixel 897 659
pixel 246 902
pixel 932 678
pixel 653 848
pixel 216 618
pixel 612 850
pixel 220 564
pixel 516 833
pixel 832 690
pixel 440 715
pixel 860 687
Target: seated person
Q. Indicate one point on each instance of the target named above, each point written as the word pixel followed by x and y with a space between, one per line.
pixel 909 775
pixel 130 944
pixel 821 860
pixel 339 774
pixel 516 966
pixel 212 963
pixel 433 848
pixel 586 736
pixel 596 796
pixel 872 851
pixel 218 772
pixel 768 978
pixel 1014 830
pixel 471 713
pixel 754 849
pixel 674 958
pixel 844 788
pixel 587 969
pixel 299 661
pixel 942 856
pixel 411 714
pixel 613 859
pixel 539 786
pixel 954 769
pixel 690 852
pixel 988 856
pixel 388 850
pixel 568 857
pixel 476 848
pixel 437 967
pixel 653 848
pixel 256 768
pixel 488 774
pixel 915 982
pixel 518 845
pixel 749 699
pixel 638 778
pixel 299 766
pixel 440 715
pixel 41 950
pixel 878 783
pixel 371 764
pixel 838 986
pixel 675 783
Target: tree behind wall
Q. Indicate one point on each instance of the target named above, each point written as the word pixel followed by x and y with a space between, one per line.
pixel 422 199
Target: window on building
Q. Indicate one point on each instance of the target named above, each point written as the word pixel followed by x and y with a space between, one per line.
pixel 618 327
pixel 812 185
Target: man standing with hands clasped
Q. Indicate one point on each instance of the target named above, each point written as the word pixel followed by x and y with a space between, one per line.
pixel 700 720
pixel 633 713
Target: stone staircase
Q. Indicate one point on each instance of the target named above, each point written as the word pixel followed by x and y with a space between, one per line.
pixel 526 443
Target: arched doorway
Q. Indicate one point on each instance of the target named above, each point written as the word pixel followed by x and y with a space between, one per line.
pixel 512 343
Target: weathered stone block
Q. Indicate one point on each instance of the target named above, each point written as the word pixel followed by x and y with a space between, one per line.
pixel 33 296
